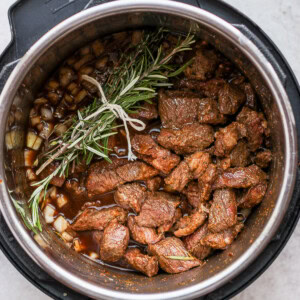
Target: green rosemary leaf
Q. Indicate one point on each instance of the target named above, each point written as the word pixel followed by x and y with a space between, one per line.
pixel 181 257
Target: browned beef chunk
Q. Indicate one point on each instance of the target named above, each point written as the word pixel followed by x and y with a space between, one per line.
pixel 222 239
pixel 153 154
pixel 153 184
pixel 158 209
pixel 179 177
pixel 173 247
pixel 192 167
pixel 177 108
pixel 114 241
pixel 75 187
pixel 255 124
pixel 224 163
pixel 188 224
pixel 136 171
pixel 204 65
pixel 198 163
pixel 141 262
pixel 192 193
pixel 240 177
pixel 143 235
pixel 130 196
pixel 168 226
pixel 240 155
pixel 210 174
pixel 223 211
pixel 230 98
pixel 193 244
pixel 227 138
pixel 263 158
pixel 148 111
pixel 101 180
pixel 250 96
pixel 56 180
pixel 188 139
pixel 97 236
pixel 208 112
pixel 208 88
pixel 253 196
pixel 92 218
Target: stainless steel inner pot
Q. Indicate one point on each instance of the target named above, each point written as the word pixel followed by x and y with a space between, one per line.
pixel 100 281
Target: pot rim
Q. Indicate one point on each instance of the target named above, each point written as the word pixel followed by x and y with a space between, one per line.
pixel 258 60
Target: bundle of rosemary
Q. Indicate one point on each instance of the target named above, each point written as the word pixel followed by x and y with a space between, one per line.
pixel 135 78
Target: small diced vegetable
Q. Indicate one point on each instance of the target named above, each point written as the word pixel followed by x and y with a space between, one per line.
pixel 60 129
pixel 47 129
pixel 66 75
pixel 49 212
pixel 46 113
pixel 30 175
pixel 38 238
pixel 98 48
pixel 52 85
pixel 85 50
pixel 29 157
pixel 101 62
pixel 33 141
pixel 83 61
pixel 60 224
pixel 53 192
pixel 53 97
pixel 61 200
pixel 67 236
pixel 14 139
pixel 35 120
pixel 40 101
pixel 78 246
pixel 80 96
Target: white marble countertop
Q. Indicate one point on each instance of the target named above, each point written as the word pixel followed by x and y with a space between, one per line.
pixel 280 19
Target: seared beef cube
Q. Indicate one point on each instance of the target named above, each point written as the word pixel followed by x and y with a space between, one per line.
pixel 223 211
pixel 208 88
pixel 193 244
pixel 97 236
pixel 192 167
pixel 227 138
pixel 177 108
pixel 114 242
pixel 188 224
pixel 148 111
pixel 223 164
pixel 240 177
pixel 210 174
pixel 198 163
pixel 130 196
pixel 169 251
pixel 153 154
pixel 255 124
pixel 141 262
pixel 263 158
pixel 230 98
pixel 205 190
pixel 75 187
pixel 100 181
pixel 240 155
pixel 92 218
pixel 179 177
pixel 204 65
pixel 250 96
pixel 56 180
pixel 188 139
pixel 222 239
pixel 168 226
pixel 253 196
pixel 158 209
pixel 192 193
pixel 154 184
pixel 136 171
pixel 143 235
pixel 208 112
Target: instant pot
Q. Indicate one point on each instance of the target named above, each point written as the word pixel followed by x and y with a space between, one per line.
pixel 63 274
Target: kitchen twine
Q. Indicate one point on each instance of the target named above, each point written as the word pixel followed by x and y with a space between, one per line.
pixel 117 110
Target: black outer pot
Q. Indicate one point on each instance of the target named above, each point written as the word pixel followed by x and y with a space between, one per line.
pixel 30 19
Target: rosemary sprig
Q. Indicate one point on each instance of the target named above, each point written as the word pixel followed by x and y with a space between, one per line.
pixel 135 79
pixel 180 257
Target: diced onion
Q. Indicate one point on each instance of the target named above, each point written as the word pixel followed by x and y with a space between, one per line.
pixel 60 224
pixel 29 157
pixel 101 62
pixel 60 129
pixel 46 113
pixel 14 139
pixel 30 175
pixel 49 212
pixel 33 141
pixel 40 101
pixel 53 85
pixel 80 96
pixel 35 120
pixel 62 200
pixel 83 61
pixel 53 192
pixel 77 245
pixel 40 240
pixel 97 47
pixel 46 130
pixel 67 237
